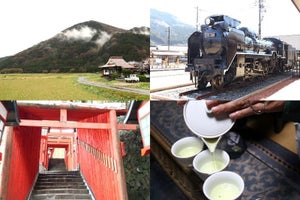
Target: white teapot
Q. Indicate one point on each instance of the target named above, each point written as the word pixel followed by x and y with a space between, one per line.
pixel 204 124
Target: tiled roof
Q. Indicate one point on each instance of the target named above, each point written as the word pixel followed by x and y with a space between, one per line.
pixel 116 61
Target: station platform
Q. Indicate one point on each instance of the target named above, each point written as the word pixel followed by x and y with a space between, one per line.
pixel 290 92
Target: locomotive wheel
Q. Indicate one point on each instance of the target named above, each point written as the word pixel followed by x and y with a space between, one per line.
pixel 229 76
pixel 217 82
pixel 266 69
pixel 202 83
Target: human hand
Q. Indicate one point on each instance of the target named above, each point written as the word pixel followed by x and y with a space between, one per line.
pixel 241 108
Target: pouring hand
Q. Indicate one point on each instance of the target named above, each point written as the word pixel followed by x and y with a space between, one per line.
pixel 241 108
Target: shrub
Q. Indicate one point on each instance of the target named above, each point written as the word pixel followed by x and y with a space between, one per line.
pixel 11 70
pixel 115 75
pixel 126 72
pixel 143 78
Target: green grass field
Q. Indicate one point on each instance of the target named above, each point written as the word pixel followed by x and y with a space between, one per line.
pixel 61 87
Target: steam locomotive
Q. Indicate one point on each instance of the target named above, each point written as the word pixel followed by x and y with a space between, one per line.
pixel 221 52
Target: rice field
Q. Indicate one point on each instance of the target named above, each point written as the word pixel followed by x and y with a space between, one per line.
pixel 57 87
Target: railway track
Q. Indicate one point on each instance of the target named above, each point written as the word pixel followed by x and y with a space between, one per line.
pixel 256 88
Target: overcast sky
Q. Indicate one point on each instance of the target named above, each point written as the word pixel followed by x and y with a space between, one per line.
pixel 25 23
pixel 281 16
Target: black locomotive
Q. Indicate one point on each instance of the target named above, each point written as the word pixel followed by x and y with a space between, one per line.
pixel 222 52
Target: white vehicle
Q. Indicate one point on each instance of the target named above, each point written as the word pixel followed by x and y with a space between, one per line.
pixel 132 78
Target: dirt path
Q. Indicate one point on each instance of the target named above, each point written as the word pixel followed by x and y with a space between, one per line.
pixel 83 80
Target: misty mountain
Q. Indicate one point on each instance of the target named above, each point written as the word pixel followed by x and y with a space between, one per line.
pixel 81 48
pixel 159 23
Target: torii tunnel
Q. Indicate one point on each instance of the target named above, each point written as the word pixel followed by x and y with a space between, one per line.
pixel 89 136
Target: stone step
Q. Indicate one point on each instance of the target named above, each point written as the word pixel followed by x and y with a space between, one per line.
pixel 59 172
pixel 59 175
pixel 57 164
pixel 59 196
pixel 66 186
pixel 46 173
pixel 63 179
pixel 60 185
pixel 61 191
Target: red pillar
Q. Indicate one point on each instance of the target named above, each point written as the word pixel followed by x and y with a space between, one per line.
pixel 44 159
pixel 24 162
pixel 118 155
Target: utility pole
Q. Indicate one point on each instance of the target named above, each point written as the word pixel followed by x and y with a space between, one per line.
pixel 169 38
pixel 197 18
pixel 261 9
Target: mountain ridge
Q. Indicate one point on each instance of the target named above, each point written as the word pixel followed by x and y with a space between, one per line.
pixel 81 48
pixel 159 23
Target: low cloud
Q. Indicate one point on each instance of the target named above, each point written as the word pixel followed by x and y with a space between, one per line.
pixel 142 30
pixel 85 33
pixel 161 22
pixel 103 38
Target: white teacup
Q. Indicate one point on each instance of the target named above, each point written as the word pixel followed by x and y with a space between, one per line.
pixel 185 149
pixel 207 163
pixel 223 185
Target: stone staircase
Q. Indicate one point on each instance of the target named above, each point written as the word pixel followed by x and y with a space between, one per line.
pixel 57 164
pixel 60 184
